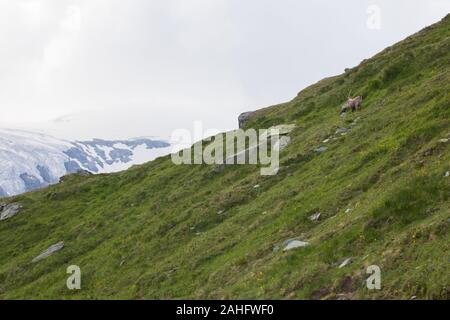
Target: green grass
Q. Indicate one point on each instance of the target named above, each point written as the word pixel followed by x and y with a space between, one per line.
pixel 153 231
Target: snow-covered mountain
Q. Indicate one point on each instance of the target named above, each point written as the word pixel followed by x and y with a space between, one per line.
pixel 32 160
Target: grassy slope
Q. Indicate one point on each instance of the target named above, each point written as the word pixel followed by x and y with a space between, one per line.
pixel 154 231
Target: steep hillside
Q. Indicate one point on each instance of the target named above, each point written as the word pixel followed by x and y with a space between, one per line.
pixel 165 231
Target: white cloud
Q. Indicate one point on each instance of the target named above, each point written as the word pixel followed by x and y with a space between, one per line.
pixel 140 67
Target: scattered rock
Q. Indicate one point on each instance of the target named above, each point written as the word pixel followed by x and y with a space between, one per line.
pixel 447 174
pixel 432 210
pixel 413 298
pixel 345 263
pixel 171 271
pixel 294 244
pixel 347 286
pixel 315 216
pixel 80 173
pixel 220 212
pixel 84 173
pixel 348 210
pixel 52 249
pixel 244 118
pixel 9 210
pixel 256 186
pixel 444 140
pixel 218 169
pixel 344 296
pixel 282 143
pixel 341 130
pixel 319 294
pixel 355 122
pixel 321 149
pixel 326 140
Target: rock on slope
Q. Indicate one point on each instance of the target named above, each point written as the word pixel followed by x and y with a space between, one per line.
pixel 30 161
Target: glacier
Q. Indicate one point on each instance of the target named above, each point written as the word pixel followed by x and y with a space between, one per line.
pixel 30 160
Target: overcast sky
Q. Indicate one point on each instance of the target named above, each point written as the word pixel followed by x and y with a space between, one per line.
pixel 117 69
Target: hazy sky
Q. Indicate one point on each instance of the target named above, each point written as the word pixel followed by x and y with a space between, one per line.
pixel 118 69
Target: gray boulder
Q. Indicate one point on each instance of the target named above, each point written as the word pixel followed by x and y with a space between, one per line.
pixel 294 244
pixel 345 263
pixel 315 216
pixel 49 251
pixel 355 122
pixel 282 143
pixel 321 149
pixel 9 210
pixel 244 118
pixel 341 130
pixel 84 173
pixel 79 172
pixel 218 169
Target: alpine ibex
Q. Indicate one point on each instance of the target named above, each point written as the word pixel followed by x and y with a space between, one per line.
pixel 352 103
